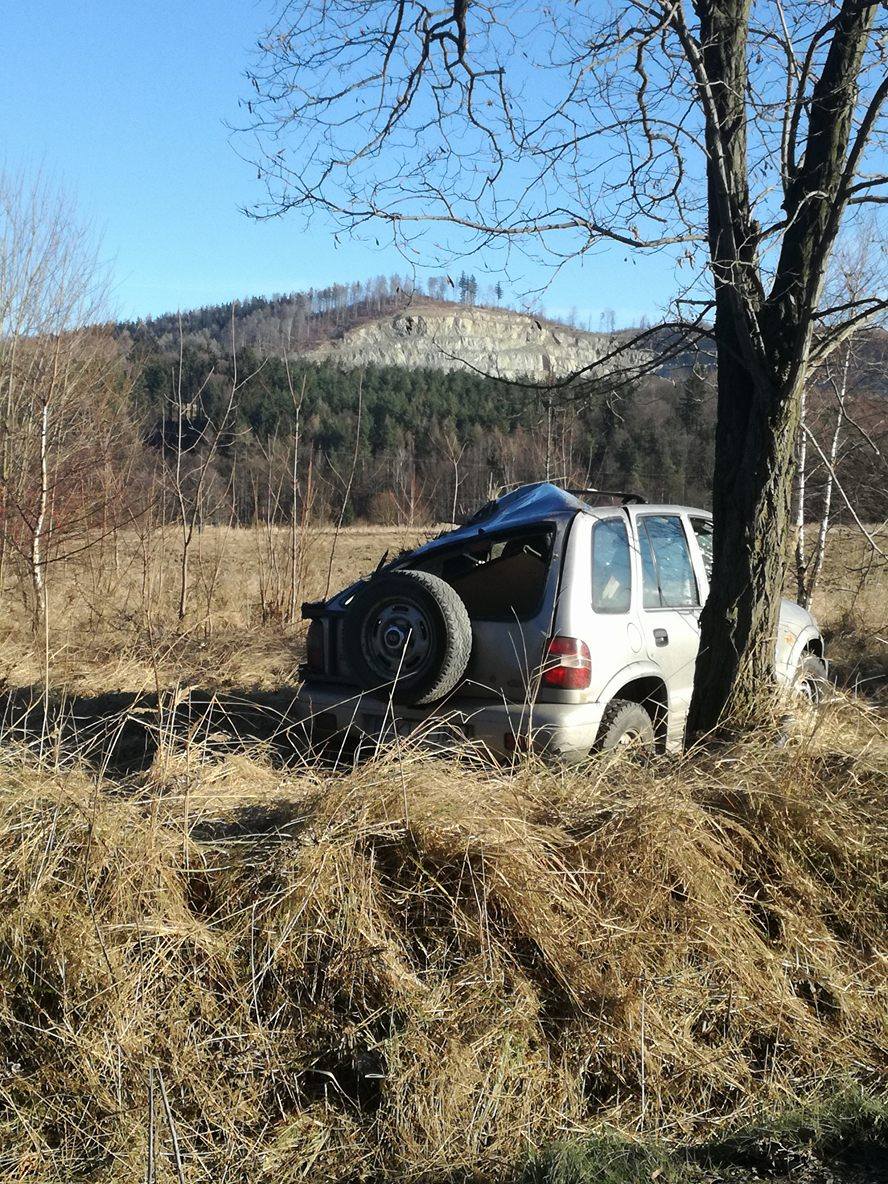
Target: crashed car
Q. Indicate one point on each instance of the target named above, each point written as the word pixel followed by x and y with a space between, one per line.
pixel 545 621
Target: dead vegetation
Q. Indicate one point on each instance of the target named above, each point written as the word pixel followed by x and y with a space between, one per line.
pixel 231 964
pixel 421 967
pixel 112 609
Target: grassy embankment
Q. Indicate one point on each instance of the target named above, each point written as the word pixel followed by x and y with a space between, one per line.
pixel 424 968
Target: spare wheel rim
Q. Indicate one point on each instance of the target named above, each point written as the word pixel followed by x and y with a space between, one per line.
pixel 397 640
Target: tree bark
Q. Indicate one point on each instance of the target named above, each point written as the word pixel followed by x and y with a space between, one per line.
pixel 763 346
pixel 754 468
pixel 38 542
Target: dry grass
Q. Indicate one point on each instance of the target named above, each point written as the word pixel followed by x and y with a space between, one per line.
pixel 113 608
pixel 419 968
pixel 114 625
pixel 422 968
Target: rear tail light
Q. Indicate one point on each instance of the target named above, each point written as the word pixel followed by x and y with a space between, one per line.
pixel 568 664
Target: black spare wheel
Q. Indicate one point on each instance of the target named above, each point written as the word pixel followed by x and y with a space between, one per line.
pixel 408 633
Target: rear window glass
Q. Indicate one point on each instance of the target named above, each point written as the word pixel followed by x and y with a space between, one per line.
pixel 498 578
pixel 611 568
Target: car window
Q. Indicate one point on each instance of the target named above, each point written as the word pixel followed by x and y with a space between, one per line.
pixel 611 567
pixel 498 578
pixel 668 575
pixel 650 583
pixel 703 533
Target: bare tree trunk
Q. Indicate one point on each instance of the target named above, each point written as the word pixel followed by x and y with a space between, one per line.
pixel 294 497
pixel 180 492
pixel 38 539
pixel 5 463
pixel 801 559
pixel 755 450
pixel 549 439
pixel 823 530
pixel 764 344
pixel 841 392
pixel 347 492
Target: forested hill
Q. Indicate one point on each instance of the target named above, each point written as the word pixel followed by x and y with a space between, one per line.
pixel 388 322
pixel 300 321
pixel 413 441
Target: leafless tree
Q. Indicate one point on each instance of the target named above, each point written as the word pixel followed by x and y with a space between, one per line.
pixel 63 413
pixel 859 267
pixel 454 449
pixel 196 433
pixel 296 535
pixel 734 135
pixel 346 484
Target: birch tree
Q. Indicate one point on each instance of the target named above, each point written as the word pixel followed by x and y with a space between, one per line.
pixel 61 380
pixel 859 267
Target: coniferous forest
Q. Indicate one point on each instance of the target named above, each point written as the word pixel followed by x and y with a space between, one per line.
pixel 411 446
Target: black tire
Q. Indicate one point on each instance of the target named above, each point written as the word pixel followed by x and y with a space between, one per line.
pixel 625 722
pixel 812 679
pixel 408 633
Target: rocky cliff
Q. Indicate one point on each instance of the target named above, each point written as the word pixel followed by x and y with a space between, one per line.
pixel 453 337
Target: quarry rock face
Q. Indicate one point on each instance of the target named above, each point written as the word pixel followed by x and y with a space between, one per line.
pixel 498 342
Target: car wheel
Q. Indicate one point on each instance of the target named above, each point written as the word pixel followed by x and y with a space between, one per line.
pixel 812 679
pixel 625 725
pixel 408 633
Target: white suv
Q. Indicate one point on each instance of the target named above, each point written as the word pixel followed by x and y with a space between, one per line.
pixel 544 621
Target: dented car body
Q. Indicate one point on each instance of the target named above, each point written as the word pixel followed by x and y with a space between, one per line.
pixel 544 621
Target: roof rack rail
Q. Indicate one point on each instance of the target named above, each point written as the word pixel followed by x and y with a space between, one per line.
pixel 628 499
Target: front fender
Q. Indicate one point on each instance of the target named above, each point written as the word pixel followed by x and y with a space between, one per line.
pixel 809 638
pixel 797 632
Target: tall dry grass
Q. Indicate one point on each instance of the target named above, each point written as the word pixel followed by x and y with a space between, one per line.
pixel 423 967
pixel 113 608
pixel 420 968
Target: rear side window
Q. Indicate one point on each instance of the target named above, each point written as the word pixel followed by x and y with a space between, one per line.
pixel 611 567
pixel 667 572
pixel 703 533
pixel 498 579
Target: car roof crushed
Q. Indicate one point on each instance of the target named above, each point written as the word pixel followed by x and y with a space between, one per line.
pixel 526 506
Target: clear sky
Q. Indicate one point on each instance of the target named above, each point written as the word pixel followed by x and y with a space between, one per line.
pixel 125 104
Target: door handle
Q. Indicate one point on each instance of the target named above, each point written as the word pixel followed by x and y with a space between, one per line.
pixel 661 637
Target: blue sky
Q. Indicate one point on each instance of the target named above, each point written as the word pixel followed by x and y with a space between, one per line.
pixel 126 103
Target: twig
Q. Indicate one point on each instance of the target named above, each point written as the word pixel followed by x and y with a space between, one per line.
pixel 348 486
pixel 149 1171
pixel 177 1157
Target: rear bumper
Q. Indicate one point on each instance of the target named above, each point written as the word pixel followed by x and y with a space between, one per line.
pixel 565 730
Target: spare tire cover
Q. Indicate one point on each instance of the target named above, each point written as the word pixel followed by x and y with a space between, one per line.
pixel 408 633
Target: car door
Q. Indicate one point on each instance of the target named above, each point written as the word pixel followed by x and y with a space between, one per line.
pixel 671 602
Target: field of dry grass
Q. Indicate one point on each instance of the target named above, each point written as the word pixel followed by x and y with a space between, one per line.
pixel 113 611
pixel 236 967
pixel 114 625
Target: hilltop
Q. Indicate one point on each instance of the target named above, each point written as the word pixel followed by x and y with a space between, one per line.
pixel 437 335
pixel 387 325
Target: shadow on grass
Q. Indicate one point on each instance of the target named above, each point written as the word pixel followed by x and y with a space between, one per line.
pixel 841 1141
pixel 122 731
